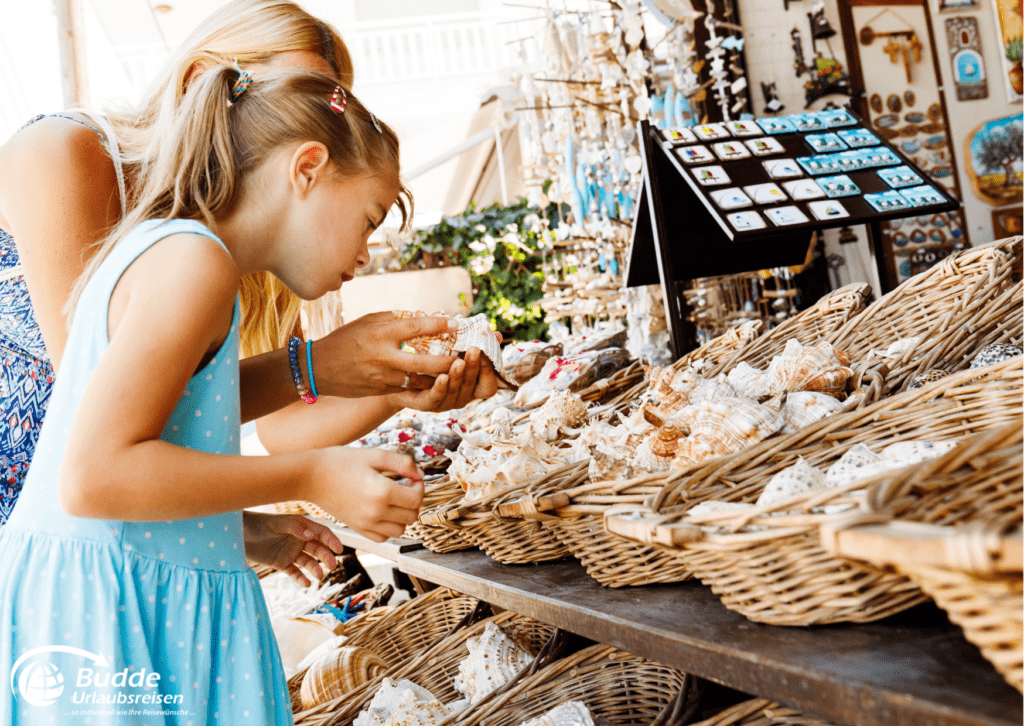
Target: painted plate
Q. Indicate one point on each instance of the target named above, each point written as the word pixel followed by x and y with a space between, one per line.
pixel 886 121
pixel 911 147
pixel 934 112
pixel 910 130
pixel 941 173
pixel 909 98
pixel 915 117
pixel 893 103
pixel 937 141
pixel 876 103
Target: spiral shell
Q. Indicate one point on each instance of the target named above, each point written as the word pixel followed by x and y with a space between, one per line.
pixel 339 672
pixel 494 660
pixel 800 478
pixel 724 427
pixel 419 713
pixel 803 408
pixel 474 332
pixel 808 368
pixel 995 353
pixel 563 410
pixel 748 381
pixel 656 451
pixel 925 378
pixel 715 389
pixel 614 449
pixel 523 466
pixel 847 468
pixel 570 713
pixel 388 698
pixel 899 351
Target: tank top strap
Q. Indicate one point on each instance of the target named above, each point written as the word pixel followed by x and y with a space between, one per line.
pixel 113 149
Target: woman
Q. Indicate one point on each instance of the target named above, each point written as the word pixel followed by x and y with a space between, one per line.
pixel 93 164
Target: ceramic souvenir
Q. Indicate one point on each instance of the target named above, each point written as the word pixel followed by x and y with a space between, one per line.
pixel 887 201
pixel 744 128
pixel 838 186
pixel 764 147
pixel 783 216
pixel 856 138
pixel 765 194
pixel 696 154
pixel 782 168
pixel 743 221
pixel 779 125
pixel 710 132
pixel 679 135
pixel 730 150
pixel 922 196
pixel 732 198
pixel 824 143
pixel 900 176
pixel 803 189
pixel 711 176
pixel 826 210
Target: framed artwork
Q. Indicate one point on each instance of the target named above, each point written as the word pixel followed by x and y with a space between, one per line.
pixel 965 54
pixel 993 160
pixel 1008 21
pixel 1007 222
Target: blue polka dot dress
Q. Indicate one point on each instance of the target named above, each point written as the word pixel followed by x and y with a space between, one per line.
pixel 106 622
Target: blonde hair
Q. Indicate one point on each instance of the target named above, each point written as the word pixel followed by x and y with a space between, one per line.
pixel 249 32
pixel 209 153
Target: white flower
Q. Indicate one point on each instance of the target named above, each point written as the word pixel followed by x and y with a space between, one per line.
pixel 532 222
pixel 477 246
pixel 489 241
pixel 512 228
pixel 480 228
pixel 562 232
pixel 482 265
pixel 511 239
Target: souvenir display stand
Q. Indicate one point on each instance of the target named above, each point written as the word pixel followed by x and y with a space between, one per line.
pixel 912 669
pixel 747 195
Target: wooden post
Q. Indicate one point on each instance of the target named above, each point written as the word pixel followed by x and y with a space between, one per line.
pixel 72 53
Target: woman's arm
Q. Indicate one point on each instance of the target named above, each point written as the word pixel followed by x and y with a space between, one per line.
pixel 58 195
pixel 115 465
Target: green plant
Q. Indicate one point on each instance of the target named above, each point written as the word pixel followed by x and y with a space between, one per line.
pixel 503 249
pixel 1013 50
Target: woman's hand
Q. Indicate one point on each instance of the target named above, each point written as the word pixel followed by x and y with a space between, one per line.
pixel 465 381
pixel 350 484
pixel 290 543
pixel 362 358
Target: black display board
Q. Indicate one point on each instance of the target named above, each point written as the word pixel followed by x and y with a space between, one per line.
pixel 685 229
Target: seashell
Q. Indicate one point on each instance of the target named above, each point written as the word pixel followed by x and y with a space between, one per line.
pixel 995 353
pixel 656 451
pixel 563 410
pixel 523 466
pixel 668 386
pixel 845 470
pixel 388 698
pixel 914 452
pixel 474 332
pixel 337 673
pixel 899 351
pixel 748 381
pixel 570 713
pixel 800 478
pixel 614 449
pixel 494 660
pixel 808 368
pixel 419 713
pixel 925 378
pixel 803 408
pixel 717 389
pixel 723 427
pixel 522 361
pixel 711 507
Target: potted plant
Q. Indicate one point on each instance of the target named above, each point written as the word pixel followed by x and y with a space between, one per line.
pixel 1013 52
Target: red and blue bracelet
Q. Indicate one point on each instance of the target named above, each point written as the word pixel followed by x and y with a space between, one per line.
pixel 293 359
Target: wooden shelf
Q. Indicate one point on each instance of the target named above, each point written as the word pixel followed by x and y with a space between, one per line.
pixel 914 669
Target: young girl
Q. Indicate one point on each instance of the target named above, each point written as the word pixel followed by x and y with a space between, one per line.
pixel 124 592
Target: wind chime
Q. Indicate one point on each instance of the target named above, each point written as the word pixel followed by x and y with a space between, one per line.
pixel 903 44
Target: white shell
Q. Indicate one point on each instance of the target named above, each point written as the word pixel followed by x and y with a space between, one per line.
pixel 648 460
pixel 898 351
pixel 523 466
pixel 419 713
pixel 474 332
pixel 563 410
pixel 914 452
pixel 717 389
pixel 494 659
pixel 723 427
pixel 802 408
pixel 748 381
pixel 387 700
pixel 808 368
pixel 846 469
pixel 800 478
pixel 570 713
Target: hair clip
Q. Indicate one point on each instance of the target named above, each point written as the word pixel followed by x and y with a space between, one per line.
pixel 335 104
pixel 375 124
pixel 242 84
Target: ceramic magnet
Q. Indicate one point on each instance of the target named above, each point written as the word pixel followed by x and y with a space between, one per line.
pixel 823 143
pixel 838 186
pixel 764 146
pixel 782 216
pixel 887 201
pixel 829 209
pixel 808 122
pixel 825 164
pixel 765 193
pixel 742 221
pixel 922 196
pixel 733 198
pixel 965 55
pixel 780 125
pixel 801 189
pixel 729 150
pixel 782 168
pixel 710 132
pixel 836 117
pixel 856 138
pixel 900 176
pixel 744 128
pixel 679 135
pixel 697 154
pixel 711 176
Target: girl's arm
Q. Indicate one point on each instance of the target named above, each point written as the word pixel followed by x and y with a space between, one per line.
pixel 58 195
pixel 170 308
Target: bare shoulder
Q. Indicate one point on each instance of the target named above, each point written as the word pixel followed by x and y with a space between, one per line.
pixel 193 263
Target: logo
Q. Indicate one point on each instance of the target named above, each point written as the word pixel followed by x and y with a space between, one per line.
pixel 40 682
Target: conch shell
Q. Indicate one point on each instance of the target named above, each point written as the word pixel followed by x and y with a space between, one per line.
pixel 803 408
pixel 339 672
pixel 809 368
pixel 389 697
pixel 718 428
pixel 563 410
pixel 474 332
pixel 656 451
pixel 494 660
pixel 523 466
pixel 613 449
pixel 923 379
pixel 748 381
pixel 419 713
pixel 800 478
pixel 570 713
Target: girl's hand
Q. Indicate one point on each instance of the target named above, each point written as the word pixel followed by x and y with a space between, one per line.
pixel 291 544
pixel 465 381
pixel 362 358
pixel 350 484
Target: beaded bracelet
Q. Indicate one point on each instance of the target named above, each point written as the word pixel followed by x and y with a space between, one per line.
pixel 309 367
pixel 293 358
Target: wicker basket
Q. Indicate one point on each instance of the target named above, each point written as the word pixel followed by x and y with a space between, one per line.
pixel 511 540
pixel 434 669
pixel 972 571
pixel 778 572
pixel 617 688
pixel 956 308
pixel 760 712
pixel 808 326
pixel 439 537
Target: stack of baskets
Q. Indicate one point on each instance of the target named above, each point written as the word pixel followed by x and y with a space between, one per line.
pixel 970 565
pixel 760 712
pixel 767 562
